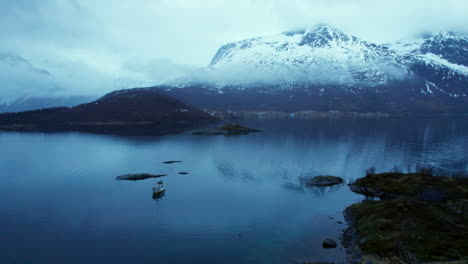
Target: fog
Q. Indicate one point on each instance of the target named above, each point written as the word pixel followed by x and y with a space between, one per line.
pixel 95 46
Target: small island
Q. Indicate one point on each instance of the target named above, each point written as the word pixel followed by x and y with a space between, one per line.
pixel 232 129
pixel 420 218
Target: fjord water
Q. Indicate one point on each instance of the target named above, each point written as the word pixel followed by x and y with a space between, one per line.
pixel 241 202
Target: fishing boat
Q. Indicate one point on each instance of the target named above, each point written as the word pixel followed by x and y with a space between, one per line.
pixel 159 189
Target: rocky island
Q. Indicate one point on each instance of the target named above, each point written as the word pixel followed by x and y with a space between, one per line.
pixel 420 218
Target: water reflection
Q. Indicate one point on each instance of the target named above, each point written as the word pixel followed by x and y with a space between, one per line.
pixel 158 195
pixel 293 187
pixel 322 191
pixel 227 171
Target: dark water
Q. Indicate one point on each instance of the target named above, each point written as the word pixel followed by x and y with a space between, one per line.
pixel 61 204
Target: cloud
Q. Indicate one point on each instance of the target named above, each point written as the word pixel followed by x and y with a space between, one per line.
pixel 325 73
pixel 20 79
pixel 100 42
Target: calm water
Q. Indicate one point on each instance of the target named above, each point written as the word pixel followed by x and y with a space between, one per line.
pixel 61 204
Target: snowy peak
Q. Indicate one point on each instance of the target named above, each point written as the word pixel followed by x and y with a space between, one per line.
pixel 450 46
pixel 327 69
pixel 326 54
pixel 322 54
pixel 323 35
pixel 316 37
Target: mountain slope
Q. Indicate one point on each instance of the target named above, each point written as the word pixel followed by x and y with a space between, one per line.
pixel 449 46
pixel 131 111
pixel 326 69
pixel 321 55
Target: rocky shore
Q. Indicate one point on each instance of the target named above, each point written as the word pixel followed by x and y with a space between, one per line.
pixel 419 218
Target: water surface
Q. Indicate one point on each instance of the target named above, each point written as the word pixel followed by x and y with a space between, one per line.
pixel 239 204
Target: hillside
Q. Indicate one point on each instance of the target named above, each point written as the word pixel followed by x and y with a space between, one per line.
pixel 130 111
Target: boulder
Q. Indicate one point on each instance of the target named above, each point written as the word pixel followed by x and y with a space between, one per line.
pixel 329 243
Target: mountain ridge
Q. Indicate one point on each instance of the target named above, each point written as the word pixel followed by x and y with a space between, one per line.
pixel 135 111
pixel 324 63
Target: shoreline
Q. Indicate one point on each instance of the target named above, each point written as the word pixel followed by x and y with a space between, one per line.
pixel 396 228
pixel 312 114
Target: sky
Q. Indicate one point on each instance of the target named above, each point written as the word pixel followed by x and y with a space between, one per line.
pixel 94 46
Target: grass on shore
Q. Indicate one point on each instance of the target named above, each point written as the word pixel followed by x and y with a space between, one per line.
pixel 412 184
pixel 430 232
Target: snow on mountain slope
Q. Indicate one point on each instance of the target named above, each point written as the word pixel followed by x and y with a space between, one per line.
pixel 445 48
pixel 449 46
pixel 326 54
pixel 327 69
pixel 323 54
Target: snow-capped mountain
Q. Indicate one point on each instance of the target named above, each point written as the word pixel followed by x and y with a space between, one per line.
pixel 322 55
pixel 448 46
pixel 326 69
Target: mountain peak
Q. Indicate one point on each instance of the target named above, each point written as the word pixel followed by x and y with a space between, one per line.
pixel 324 28
pixel 321 34
pixel 446 35
pixel 449 45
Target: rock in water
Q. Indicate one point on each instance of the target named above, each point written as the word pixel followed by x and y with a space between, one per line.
pixel 321 181
pixel 329 243
pixel 138 176
pixel 172 161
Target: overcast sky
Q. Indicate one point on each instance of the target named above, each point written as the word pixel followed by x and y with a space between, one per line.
pixel 86 40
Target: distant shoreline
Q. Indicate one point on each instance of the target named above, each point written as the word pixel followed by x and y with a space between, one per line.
pixel 105 128
pixel 311 114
